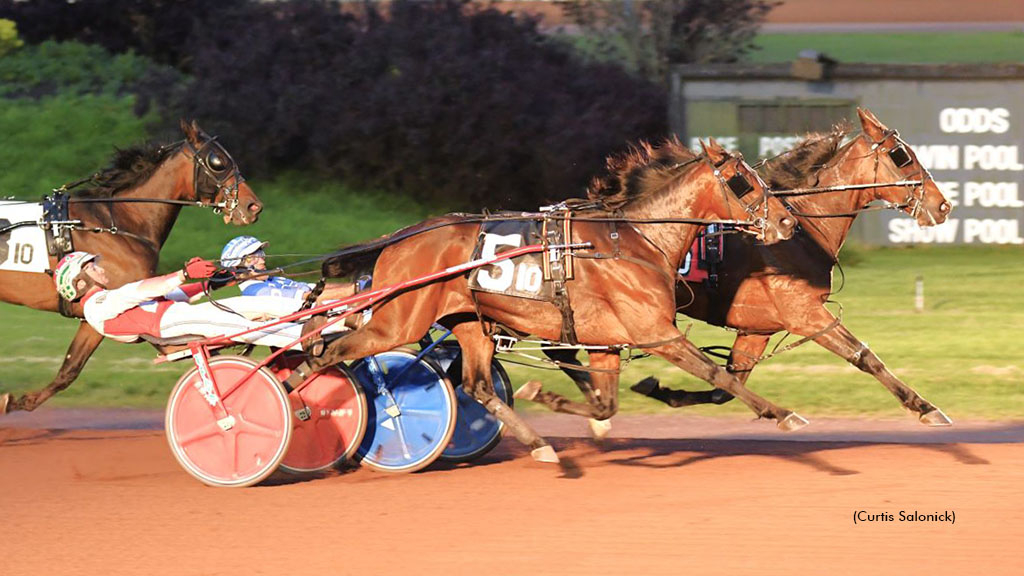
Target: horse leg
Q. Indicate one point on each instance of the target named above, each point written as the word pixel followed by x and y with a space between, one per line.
pixel 85 342
pixel 600 388
pixel 477 352
pixel 685 355
pixel 403 320
pixel 841 342
pixel 746 350
pixel 532 390
pixel 565 359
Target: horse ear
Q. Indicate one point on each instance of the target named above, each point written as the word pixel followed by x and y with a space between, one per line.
pixel 714 151
pixel 189 130
pixel 197 129
pixel 871 125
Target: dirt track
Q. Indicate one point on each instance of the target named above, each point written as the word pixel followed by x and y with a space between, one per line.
pixel 115 502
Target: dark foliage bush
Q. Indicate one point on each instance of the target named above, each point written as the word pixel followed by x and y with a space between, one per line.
pixel 159 29
pixel 463 106
pixel 450 102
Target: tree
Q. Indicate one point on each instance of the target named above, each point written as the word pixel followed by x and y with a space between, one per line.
pixel 649 36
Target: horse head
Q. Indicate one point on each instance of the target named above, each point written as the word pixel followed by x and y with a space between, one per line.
pixel 216 180
pixel 894 158
pixel 746 192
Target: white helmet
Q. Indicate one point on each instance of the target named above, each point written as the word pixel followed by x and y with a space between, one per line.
pixel 239 247
pixel 68 270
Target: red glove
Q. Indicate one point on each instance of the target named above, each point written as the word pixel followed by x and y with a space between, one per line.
pixel 197 268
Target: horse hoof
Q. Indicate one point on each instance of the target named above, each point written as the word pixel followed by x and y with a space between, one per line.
pixel 599 428
pixel 545 454
pixel 528 391
pixel 5 401
pixel 719 396
pixel 935 418
pixel 792 423
pixel 647 386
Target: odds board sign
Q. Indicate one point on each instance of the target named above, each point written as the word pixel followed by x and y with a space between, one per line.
pixel 22 249
pixel 975 155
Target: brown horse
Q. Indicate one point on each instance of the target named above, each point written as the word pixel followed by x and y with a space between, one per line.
pixel 623 293
pixel 762 290
pixel 792 297
pixel 195 170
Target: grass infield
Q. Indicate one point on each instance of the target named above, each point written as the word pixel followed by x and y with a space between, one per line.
pixel 895 48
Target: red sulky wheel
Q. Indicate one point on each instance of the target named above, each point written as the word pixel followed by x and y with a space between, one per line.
pixel 328 418
pixel 239 445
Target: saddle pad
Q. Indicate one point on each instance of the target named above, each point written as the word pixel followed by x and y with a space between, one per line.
pixel 705 253
pixel 22 249
pixel 522 277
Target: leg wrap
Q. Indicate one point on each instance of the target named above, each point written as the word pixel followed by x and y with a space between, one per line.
pixel 860 358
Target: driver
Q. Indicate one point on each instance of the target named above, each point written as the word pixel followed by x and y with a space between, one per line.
pixel 159 306
pixel 267 294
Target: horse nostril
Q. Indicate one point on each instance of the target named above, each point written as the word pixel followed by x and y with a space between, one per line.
pixel 945 207
pixel 255 208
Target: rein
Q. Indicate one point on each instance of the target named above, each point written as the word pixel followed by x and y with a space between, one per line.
pixel 200 204
pixel 899 156
pixel 464 218
pixel 203 165
pixel 844 187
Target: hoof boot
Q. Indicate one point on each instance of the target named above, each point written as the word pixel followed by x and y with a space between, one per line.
pixel 792 422
pixel 545 454
pixel 935 418
pixel 599 428
pixel 528 391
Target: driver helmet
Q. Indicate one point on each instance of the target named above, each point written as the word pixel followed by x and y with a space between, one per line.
pixel 238 248
pixel 65 277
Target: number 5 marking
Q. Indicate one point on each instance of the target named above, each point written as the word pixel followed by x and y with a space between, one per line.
pixel 505 268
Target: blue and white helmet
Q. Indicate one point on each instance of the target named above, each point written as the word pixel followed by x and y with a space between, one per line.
pixel 238 248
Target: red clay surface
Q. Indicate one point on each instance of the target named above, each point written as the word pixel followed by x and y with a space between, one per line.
pixel 106 502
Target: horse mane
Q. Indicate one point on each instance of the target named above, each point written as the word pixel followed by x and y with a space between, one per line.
pixel 640 172
pixel 130 167
pixel 790 169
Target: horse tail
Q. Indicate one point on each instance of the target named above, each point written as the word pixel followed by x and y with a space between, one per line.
pixel 347 264
pixel 359 258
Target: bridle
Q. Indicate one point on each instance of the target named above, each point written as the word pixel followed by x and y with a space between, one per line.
pixel 212 161
pixel 740 187
pixel 901 158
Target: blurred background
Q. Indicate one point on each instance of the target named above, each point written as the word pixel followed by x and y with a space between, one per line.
pixel 352 119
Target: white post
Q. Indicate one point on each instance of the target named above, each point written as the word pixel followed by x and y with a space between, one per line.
pixel 919 294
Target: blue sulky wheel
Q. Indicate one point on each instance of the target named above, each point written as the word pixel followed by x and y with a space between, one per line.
pixel 411 411
pixel 477 431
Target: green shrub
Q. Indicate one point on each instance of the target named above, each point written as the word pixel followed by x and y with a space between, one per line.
pixel 54 140
pixel 74 68
pixel 9 41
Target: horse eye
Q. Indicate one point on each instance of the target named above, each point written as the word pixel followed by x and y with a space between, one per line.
pixel 215 162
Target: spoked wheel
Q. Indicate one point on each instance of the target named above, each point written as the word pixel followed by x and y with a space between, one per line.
pixel 328 418
pixel 238 440
pixel 477 431
pixel 411 411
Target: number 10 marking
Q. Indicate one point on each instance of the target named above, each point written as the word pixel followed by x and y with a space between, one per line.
pixel 23 253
